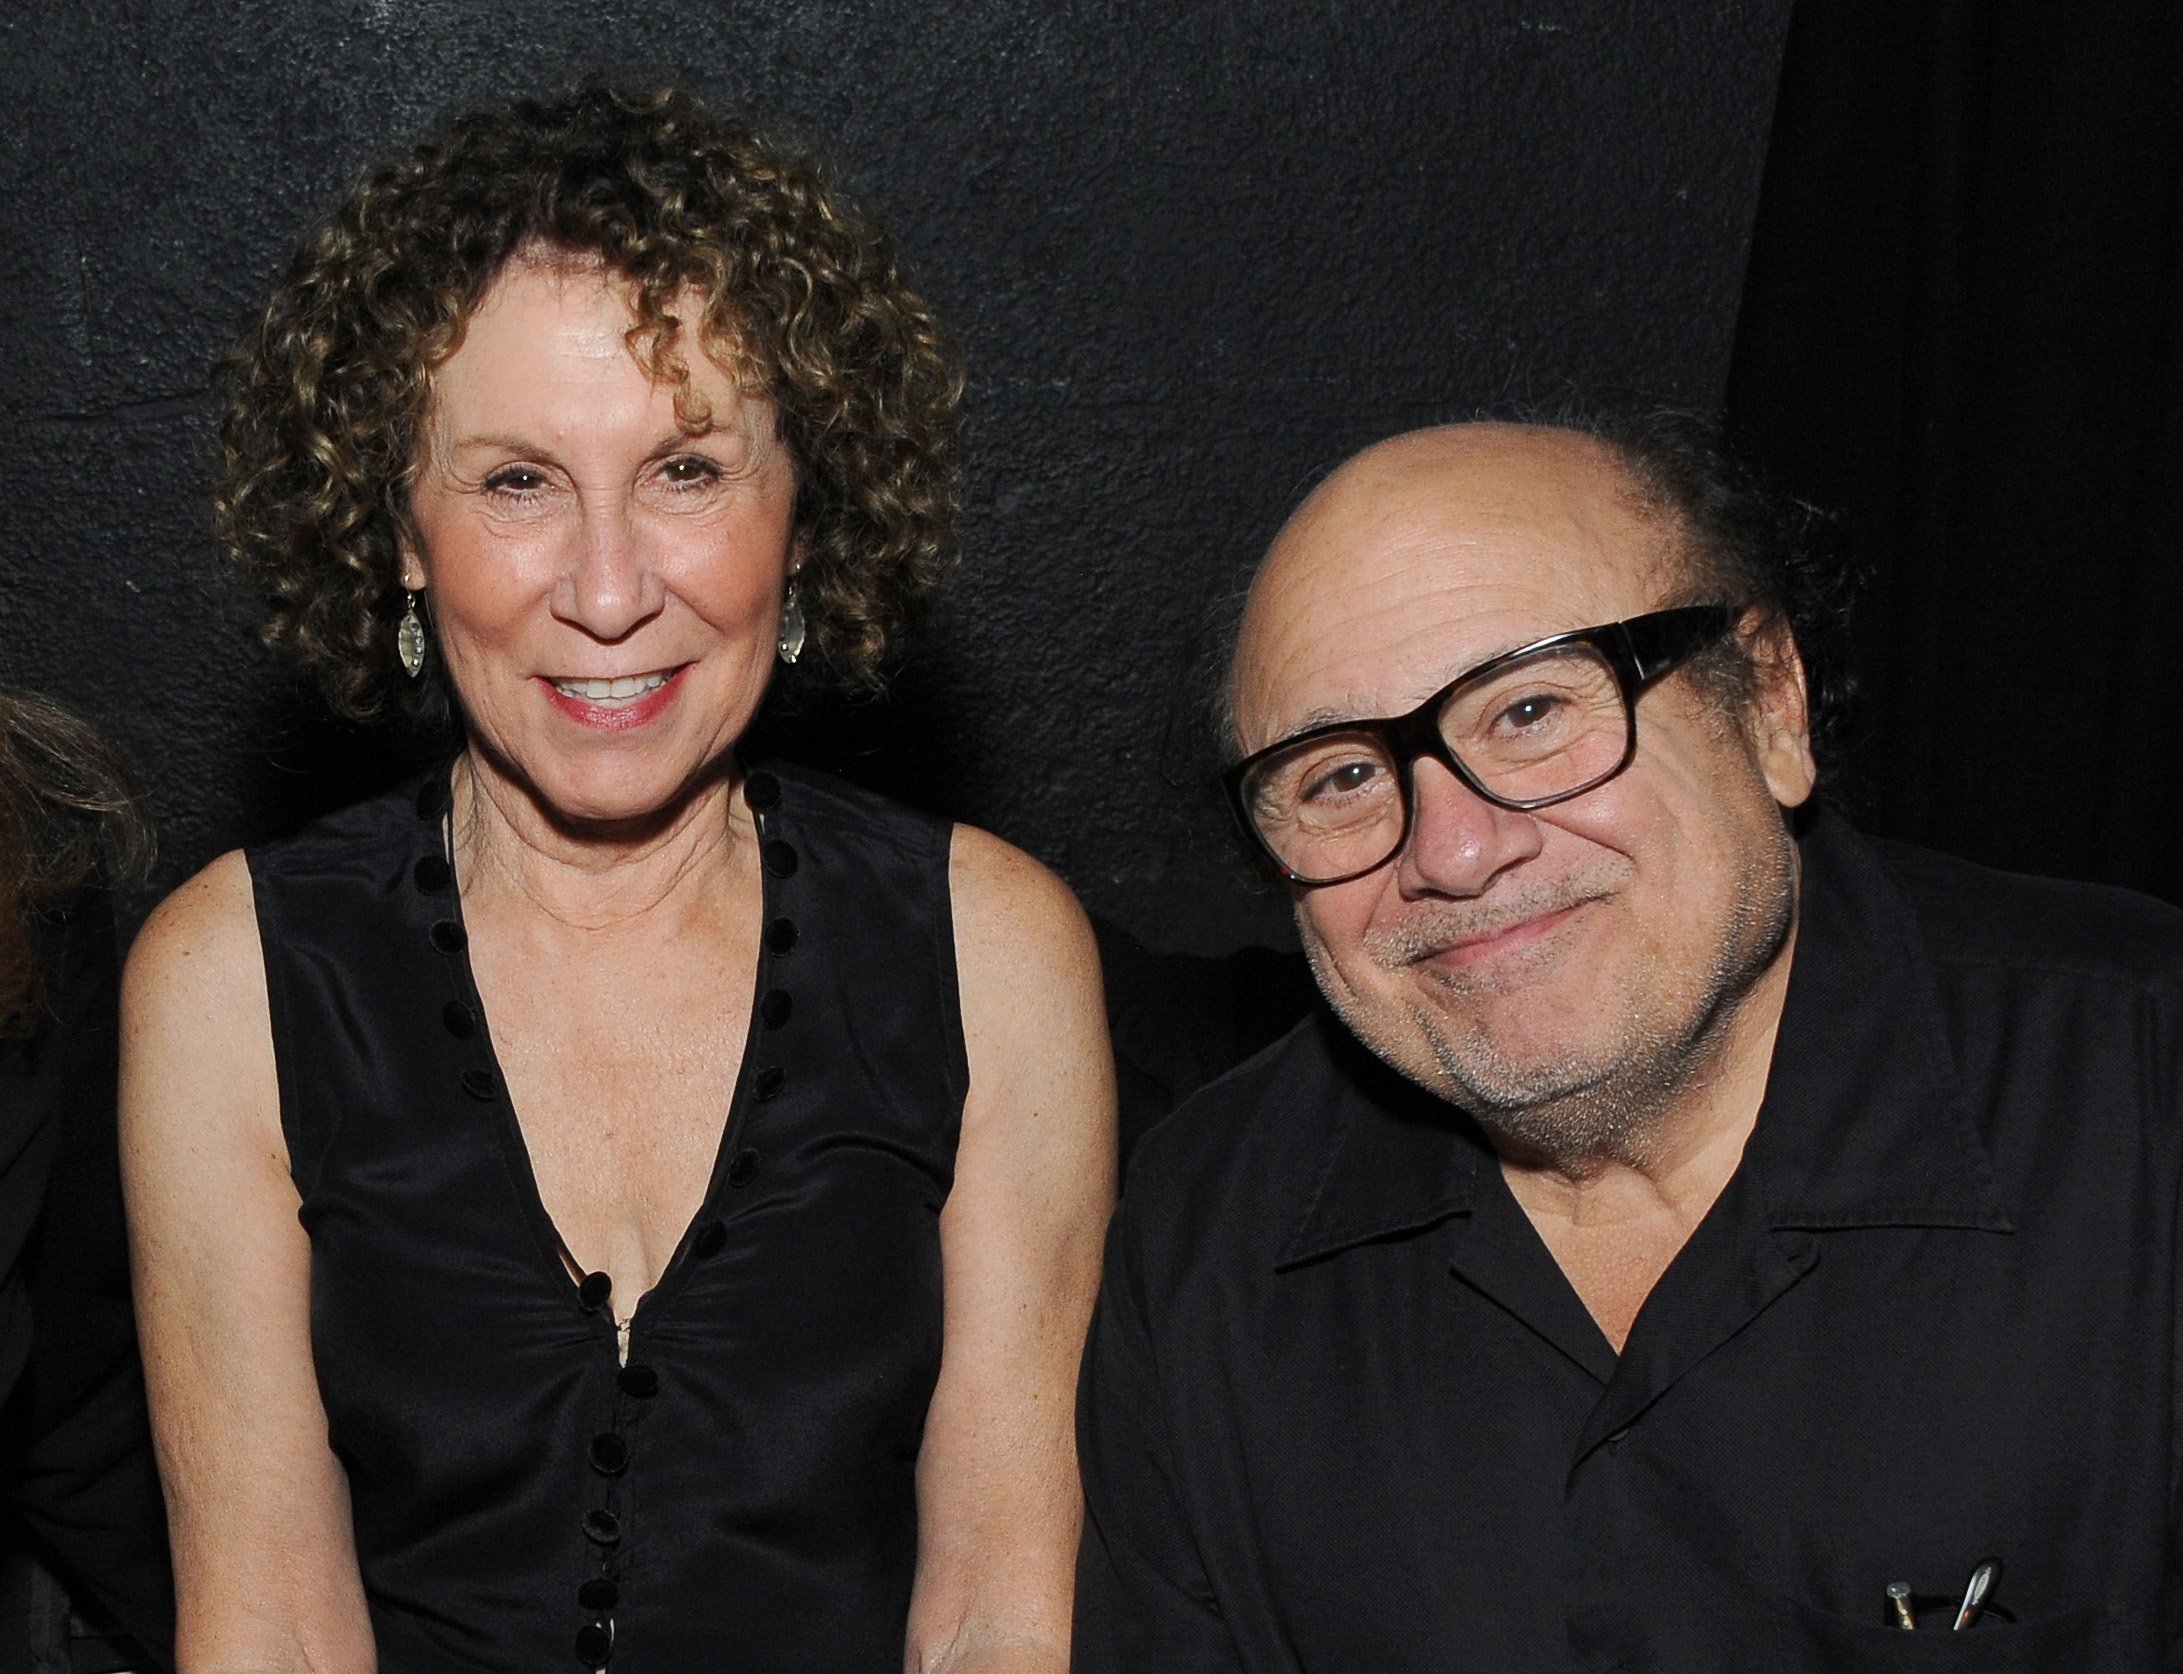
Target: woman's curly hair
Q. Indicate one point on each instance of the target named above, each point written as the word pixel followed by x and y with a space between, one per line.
pixel 325 398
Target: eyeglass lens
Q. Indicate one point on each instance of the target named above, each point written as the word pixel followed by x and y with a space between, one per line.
pixel 1542 727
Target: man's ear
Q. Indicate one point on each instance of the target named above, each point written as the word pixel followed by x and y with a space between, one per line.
pixel 1779 724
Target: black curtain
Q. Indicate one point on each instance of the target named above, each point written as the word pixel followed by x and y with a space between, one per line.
pixel 1963 330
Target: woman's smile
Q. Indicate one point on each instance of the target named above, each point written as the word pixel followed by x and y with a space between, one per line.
pixel 620 703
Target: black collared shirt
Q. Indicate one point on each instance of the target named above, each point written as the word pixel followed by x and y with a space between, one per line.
pixel 1342 1411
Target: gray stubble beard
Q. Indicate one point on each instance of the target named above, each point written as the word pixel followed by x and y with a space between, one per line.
pixel 1577 1114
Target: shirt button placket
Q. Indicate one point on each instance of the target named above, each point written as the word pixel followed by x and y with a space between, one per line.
pixel 637 1381
pixel 776 1006
pixel 608 1453
pixel 608 1456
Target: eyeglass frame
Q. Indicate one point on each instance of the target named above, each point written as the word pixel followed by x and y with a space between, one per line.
pixel 1638 650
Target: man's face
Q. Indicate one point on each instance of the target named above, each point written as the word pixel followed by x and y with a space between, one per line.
pixel 1558 967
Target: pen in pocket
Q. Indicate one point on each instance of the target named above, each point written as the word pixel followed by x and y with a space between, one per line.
pixel 1985 1576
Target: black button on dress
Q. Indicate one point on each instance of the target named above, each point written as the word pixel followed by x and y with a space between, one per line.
pixel 741 1493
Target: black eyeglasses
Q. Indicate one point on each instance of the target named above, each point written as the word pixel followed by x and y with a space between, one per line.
pixel 1524 730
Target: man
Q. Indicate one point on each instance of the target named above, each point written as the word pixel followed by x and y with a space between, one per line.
pixel 1699 1238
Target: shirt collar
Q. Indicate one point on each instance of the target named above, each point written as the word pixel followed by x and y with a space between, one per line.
pixel 1397 1159
pixel 1863 1123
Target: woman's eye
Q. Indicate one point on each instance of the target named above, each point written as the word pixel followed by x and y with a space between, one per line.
pixel 688 471
pixel 516 479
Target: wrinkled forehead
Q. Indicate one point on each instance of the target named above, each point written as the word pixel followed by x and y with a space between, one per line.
pixel 1387 585
pixel 552 321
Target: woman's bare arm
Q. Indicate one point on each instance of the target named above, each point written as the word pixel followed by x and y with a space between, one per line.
pixel 265 1564
pixel 999 1505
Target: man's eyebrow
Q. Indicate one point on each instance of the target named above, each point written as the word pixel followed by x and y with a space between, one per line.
pixel 1323 718
pixel 1328 716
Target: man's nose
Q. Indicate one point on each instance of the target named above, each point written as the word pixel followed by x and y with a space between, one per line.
pixel 1459 842
pixel 609 587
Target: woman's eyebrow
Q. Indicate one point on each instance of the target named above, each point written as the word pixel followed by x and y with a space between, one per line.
pixel 501 441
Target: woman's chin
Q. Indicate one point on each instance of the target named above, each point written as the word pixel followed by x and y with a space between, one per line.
pixel 627 793
pixel 627 803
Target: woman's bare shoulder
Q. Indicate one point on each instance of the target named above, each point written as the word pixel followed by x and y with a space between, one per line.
pixel 1003 894
pixel 1034 1020
pixel 196 1031
pixel 205 931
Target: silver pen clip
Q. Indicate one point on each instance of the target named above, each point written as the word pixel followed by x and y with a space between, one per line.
pixel 1975 1593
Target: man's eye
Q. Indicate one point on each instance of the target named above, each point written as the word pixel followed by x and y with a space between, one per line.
pixel 1341 779
pixel 1529 713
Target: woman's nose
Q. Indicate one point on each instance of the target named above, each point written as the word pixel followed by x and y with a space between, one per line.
pixel 609 587
pixel 1459 842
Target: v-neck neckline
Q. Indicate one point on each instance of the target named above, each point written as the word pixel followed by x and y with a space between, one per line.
pixel 568 1274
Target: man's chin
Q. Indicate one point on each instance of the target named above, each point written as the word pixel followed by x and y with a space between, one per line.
pixel 1482 1070
pixel 1494 1075
pixel 1522 1012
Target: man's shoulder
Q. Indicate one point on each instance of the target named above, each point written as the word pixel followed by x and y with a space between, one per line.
pixel 1973 915
pixel 1229 1168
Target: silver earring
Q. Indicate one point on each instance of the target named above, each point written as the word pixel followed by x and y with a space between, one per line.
pixel 792 629
pixel 409 640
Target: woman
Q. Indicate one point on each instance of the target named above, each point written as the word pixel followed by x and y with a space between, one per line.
pixel 607 1206
pixel 78 1470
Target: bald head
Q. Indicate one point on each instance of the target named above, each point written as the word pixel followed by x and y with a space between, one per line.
pixel 1434 550
pixel 1431 474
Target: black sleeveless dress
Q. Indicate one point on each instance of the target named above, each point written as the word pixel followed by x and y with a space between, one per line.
pixel 740 1495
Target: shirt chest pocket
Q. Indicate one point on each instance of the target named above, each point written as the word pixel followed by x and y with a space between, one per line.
pixel 2070 1642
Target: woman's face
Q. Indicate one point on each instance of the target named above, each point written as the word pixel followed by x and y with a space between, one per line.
pixel 604 584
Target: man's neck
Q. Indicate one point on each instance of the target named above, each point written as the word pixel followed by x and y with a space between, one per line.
pixel 1615 1222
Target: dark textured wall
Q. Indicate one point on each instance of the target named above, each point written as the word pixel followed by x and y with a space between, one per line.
pixel 1194 253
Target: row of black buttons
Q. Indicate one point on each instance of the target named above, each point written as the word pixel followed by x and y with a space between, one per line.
pixel 609 1455
pixel 609 1452
pixel 599 1595
pixel 762 794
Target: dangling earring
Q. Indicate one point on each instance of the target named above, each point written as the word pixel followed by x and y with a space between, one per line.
pixel 792 629
pixel 409 640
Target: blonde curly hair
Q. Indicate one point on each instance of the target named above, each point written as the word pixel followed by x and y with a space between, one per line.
pixel 325 397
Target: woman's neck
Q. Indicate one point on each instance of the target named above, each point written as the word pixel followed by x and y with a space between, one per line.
pixel 511 850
